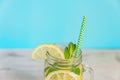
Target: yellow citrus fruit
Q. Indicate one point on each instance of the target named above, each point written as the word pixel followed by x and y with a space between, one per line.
pixel 40 51
pixel 63 75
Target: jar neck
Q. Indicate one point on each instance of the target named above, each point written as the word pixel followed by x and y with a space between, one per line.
pixel 63 63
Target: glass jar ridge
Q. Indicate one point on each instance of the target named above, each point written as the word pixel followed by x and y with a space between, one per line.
pixel 63 63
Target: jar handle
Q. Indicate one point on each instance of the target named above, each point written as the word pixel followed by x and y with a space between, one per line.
pixel 89 70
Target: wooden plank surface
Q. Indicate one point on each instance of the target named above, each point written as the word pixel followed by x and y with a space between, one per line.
pixel 16 64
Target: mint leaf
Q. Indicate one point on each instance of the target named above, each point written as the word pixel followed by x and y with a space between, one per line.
pixel 49 70
pixel 74 47
pixel 76 70
pixel 66 53
pixel 71 47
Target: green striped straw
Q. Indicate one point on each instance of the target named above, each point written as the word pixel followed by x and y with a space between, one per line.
pixel 80 37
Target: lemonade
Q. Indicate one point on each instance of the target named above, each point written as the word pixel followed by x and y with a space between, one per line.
pixel 59 69
pixel 59 64
pixel 63 64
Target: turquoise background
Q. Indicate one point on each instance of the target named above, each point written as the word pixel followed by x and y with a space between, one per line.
pixel 27 23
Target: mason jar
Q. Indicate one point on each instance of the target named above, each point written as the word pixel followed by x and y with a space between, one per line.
pixel 65 69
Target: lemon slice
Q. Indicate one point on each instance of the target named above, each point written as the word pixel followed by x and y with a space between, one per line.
pixel 41 50
pixel 63 75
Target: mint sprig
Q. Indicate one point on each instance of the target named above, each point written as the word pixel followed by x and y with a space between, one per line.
pixel 69 49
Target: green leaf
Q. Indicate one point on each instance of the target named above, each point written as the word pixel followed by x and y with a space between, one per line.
pixel 74 47
pixel 71 47
pixel 49 70
pixel 66 53
pixel 76 70
pixel 69 50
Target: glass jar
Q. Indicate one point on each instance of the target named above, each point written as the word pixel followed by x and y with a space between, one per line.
pixel 65 69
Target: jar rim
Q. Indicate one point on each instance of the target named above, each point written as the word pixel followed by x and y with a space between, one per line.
pixel 63 63
pixel 49 56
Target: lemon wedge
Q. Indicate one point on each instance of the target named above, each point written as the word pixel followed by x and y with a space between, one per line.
pixel 63 75
pixel 40 51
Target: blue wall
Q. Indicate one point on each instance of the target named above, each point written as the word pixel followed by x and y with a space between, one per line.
pixel 27 23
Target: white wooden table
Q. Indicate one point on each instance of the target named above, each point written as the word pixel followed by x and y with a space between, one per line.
pixel 16 64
